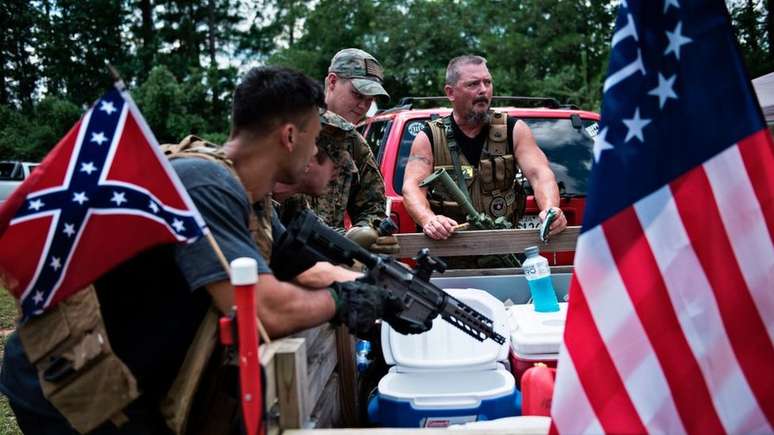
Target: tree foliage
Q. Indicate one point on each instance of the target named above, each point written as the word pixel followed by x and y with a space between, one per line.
pixel 181 59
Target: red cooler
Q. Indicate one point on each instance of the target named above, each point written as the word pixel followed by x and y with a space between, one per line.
pixel 535 337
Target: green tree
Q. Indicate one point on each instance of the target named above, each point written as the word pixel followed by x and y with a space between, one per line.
pixel 79 37
pixel 31 136
pixel 18 74
pixel 552 47
pixel 141 39
pixel 165 105
pixel 750 19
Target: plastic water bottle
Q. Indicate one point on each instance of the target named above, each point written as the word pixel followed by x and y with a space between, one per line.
pixel 362 350
pixel 539 279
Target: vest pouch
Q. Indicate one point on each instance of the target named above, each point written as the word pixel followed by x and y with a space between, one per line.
pixel 499 174
pixel 495 205
pixel 486 170
pixel 498 134
pixel 510 169
pixel 77 369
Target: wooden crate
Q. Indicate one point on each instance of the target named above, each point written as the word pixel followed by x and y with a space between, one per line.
pixel 307 377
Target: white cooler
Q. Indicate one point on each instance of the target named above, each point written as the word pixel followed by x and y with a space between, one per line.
pixel 444 376
pixel 535 337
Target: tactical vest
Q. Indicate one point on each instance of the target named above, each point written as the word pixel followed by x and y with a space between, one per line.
pixel 492 186
pixel 77 369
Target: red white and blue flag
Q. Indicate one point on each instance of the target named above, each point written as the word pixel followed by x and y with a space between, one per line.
pixel 103 194
pixel 670 326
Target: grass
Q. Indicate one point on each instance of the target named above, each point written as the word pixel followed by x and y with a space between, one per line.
pixel 8 424
pixel 7 310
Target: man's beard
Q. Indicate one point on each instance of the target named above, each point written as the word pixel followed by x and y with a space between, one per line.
pixel 477 118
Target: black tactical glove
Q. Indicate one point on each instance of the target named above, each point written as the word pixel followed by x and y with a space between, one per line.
pixel 358 305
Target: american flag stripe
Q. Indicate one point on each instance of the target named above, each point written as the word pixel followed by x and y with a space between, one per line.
pixel 617 323
pixel 650 301
pixel 745 225
pixel 600 381
pixel 758 156
pixel 701 218
pixel 694 302
pixel 568 385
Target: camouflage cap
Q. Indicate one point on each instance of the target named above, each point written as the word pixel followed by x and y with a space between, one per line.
pixel 334 127
pixel 363 69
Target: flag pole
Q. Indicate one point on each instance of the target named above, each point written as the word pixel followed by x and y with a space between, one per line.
pixel 116 76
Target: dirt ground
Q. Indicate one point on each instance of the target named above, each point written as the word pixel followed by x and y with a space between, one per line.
pixel 7 317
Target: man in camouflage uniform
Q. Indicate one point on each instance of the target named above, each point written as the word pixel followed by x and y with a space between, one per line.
pixel 354 80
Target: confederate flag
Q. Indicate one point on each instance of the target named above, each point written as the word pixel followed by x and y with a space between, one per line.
pixel 103 194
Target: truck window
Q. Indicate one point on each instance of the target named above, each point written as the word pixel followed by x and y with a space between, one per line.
pixel 376 134
pixel 10 171
pixel 569 150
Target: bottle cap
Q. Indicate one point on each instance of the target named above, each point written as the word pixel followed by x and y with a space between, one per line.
pixel 532 251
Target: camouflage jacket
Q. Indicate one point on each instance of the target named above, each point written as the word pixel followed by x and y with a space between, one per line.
pixel 359 187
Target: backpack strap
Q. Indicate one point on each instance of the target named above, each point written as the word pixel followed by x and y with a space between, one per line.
pixel 454 151
pixel 441 156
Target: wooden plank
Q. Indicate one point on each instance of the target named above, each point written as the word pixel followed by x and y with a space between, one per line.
pixel 485 242
pixel 350 410
pixel 291 378
pixel 267 353
pixel 311 335
pixel 321 360
pixel 327 413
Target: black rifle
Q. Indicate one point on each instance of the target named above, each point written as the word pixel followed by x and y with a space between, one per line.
pixel 308 241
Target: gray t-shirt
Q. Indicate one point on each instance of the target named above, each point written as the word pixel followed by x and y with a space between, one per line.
pixel 224 205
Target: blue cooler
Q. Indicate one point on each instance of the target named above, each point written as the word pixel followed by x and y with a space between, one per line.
pixel 445 376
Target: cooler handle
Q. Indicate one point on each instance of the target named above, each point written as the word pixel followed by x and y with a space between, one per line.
pixel 446 402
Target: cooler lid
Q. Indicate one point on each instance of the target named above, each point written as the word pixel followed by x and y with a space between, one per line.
pixel 445 346
pixel 447 390
pixel 536 333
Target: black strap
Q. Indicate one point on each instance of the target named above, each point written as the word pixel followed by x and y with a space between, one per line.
pixel 454 151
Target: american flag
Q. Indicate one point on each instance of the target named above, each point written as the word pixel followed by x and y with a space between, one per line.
pixel 103 194
pixel 670 326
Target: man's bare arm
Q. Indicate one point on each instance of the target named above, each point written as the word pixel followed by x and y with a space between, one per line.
pixel 324 274
pixel 418 167
pixel 282 307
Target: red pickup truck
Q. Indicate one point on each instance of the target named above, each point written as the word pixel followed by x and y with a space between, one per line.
pixel 564 133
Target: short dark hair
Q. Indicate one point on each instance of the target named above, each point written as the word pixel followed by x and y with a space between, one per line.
pixel 453 69
pixel 268 96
